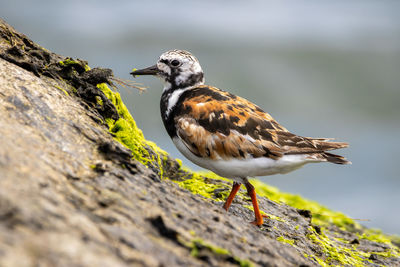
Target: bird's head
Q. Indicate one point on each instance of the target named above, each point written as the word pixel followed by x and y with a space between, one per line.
pixel 177 68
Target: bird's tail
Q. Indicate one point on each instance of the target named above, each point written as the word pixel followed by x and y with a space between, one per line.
pixel 335 158
pixel 324 145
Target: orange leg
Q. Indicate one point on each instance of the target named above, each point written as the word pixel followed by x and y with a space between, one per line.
pixel 235 189
pixel 252 193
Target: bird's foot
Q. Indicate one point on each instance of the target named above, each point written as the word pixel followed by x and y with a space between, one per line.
pixel 259 221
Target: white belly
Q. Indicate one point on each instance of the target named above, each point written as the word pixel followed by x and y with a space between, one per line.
pixel 251 167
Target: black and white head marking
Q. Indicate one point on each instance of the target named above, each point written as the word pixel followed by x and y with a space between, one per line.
pixel 180 71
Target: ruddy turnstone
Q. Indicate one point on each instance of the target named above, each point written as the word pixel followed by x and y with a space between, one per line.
pixel 228 134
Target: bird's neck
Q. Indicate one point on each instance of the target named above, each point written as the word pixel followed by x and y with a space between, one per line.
pixel 175 85
pixel 182 80
pixel 170 101
pixel 170 97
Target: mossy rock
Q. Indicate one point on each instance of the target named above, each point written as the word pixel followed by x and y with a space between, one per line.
pixel 81 185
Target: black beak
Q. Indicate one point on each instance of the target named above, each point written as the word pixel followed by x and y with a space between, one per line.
pixel 153 70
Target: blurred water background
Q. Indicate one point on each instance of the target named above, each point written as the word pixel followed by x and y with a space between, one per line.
pixel 321 68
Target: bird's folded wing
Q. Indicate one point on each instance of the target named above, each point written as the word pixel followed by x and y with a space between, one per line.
pixel 220 146
pixel 225 126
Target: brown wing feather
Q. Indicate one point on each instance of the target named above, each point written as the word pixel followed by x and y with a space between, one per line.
pixel 220 146
pixel 217 124
pixel 294 144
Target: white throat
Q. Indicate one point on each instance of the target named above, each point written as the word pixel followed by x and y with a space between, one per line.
pixel 173 98
pixel 172 94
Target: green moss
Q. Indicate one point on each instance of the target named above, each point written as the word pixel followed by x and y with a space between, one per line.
pixel 335 253
pixel 198 184
pixel 198 244
pixel 375 235
pixel 284 240
pixel 276 218
pixel 69 61
pixel 322 216
pixel 99 100
pixel 61 89
pixel 126 132
pixel 192 232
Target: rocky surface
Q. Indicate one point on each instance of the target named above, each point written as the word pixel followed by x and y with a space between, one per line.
pixel 72 195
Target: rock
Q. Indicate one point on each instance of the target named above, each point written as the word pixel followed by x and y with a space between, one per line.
pixel 80 186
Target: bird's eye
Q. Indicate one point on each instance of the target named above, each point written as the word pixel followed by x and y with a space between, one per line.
pixel 175 63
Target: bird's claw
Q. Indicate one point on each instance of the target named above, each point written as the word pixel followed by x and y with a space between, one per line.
pixel 260 221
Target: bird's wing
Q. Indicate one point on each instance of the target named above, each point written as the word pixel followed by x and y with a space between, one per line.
pixel 216 124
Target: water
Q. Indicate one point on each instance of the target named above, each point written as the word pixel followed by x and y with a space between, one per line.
pixel 322 69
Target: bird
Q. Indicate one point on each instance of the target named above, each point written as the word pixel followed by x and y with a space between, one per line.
pixel 228 134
